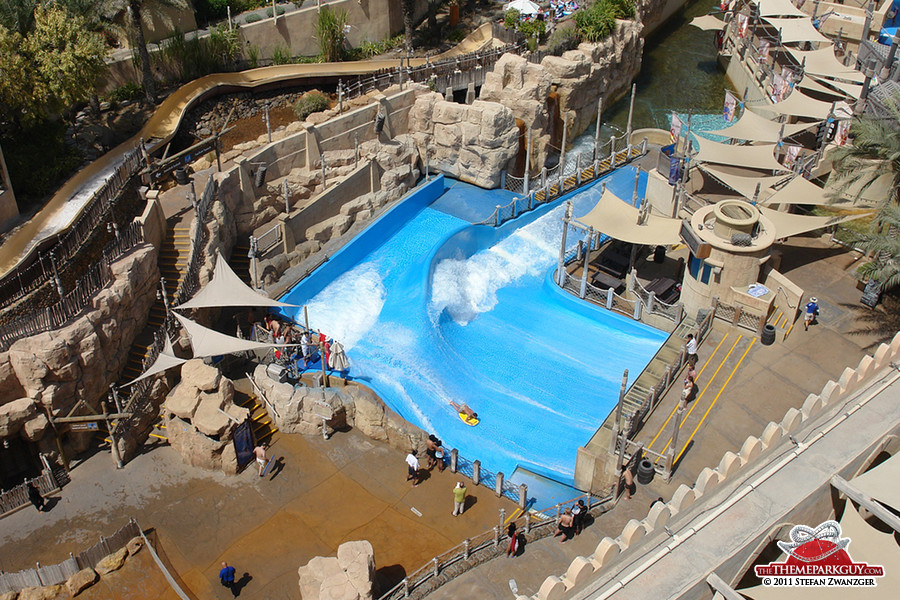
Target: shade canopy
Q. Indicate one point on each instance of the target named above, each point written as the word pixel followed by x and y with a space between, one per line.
pixel 824 63
pixel 778 8
pixel 227 289
pixel 708 23
pixel 750 157
pixel 796 30
pixel 798 104
pixel 164 361
pixel 745 185
pixel 525 7
pixel 756 128
pixel 845 89
pixel 207 342
pixel 797 191
pixel 619 220
pixel 788 224
pixel 882 482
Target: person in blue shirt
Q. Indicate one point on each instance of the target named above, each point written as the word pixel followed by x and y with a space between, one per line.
pixel 812 309
pixel 226 575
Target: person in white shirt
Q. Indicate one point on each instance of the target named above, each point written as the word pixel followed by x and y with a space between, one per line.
pixel 691 348
pixel 413 467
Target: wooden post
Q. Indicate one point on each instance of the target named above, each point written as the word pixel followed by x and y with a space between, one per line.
pixel 268 124
pixel 630 114
pixel 523 496
pixel 612 152
pixel 112 439
pixel 454 460
pixel 527 163
pixel 561 266
pixel 218 155
pixel 562 153
pixel 597 131
pixel 476 472
pixel 619 409
pixel 498 487
pixel 59 445
pixel 587 261
pixel 670 453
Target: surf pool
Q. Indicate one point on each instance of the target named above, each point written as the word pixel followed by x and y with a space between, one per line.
pixel 432 308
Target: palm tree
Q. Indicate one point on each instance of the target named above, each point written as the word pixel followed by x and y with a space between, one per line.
pixel 408 7
pixel 885 266
pixel 875 153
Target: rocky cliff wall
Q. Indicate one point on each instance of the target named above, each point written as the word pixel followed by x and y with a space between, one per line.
pixel 78 362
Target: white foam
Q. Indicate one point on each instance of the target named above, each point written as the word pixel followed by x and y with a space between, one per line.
pixel 349 307
pixel 467 288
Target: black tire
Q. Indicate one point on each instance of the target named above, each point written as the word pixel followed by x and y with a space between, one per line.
pixel 645 471
pixel 768 335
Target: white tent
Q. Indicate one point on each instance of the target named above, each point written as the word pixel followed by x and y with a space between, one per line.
pixel 753 127
pixel 882 482
pixel 619 220
pixel 749 157
pixel 796 30
pixel 824 63
pixel 525 7
pixel 788 224
pixel 708 23
pixel 778 8
pixel 166 360
pixel 227 289
pixel 207 342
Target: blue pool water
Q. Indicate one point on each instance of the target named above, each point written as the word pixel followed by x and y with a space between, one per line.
pixel 431 309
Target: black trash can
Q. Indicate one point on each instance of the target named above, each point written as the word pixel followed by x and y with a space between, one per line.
pixel 659 255
pixel 768 335
pixel 645 471
pixel 181 176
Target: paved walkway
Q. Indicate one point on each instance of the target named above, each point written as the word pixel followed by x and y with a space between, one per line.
pixel 743 385
pixel 348 488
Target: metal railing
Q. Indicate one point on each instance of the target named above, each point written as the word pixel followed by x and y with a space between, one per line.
pixel 98 276
pixel 490 544
pixel 59 573
pixel 269 239
pixel 551 185
pixel 38 266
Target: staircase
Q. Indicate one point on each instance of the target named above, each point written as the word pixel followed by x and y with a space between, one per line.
pixel 783 318
pixel 260 421
pixel 240 262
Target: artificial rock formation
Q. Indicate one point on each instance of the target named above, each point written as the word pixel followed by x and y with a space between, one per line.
pixel 472 143
pixel 56 369
pixel 201 416
pixel 300 409
pixel 350 576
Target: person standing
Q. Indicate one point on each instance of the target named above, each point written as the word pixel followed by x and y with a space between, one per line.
pixel 459 498
pixel 260 453
pixel 34 496
pixel 812 309
pixel 579 512
pixel 630 486
pixel 691 347
pixel 226 576
pixel 413 468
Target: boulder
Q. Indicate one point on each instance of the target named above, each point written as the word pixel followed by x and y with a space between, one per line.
pixel 200 375
pixel 34 428
pixel 112 562
pixel 81 580
pixel 348 577
pixel 47 592
pixel 13 415
pixel 357 559
pixel 9 596
pixel 134 545
pixel 314 573
pixel 208 418
pixel 183 401
pixel 10 387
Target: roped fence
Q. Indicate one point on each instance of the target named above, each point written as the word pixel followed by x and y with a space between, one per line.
pixel 490 544
pixel 40 264
pixel 59 573
pixel 740 316
pixel 69 306
pixel 562 178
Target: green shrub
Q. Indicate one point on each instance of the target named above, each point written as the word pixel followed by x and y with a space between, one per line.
pixel 563 39
pixel 129 91
pixel 369 49
pixel 254 18
pixel 597 21
pixel 282 55
pixel 190 59
pixel 533 29
pixel 311 102
pixel 456 36
pixel 511 18
pixel 279 11
pixel 253 56
pixel 330 33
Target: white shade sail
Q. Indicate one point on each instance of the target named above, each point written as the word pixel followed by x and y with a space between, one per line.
pixel 798 104
pixel 796 30
pixel 788 224
pixel 166 360
pixel 749 157
pixel 797 191
pixel 840 89
pixel 227 289
pixel 207 342
pixel 753 127
pixel 824 63
pixel 708 23
pixel 882 482
pixel 618 219
pixel 745 185
pixel 778 8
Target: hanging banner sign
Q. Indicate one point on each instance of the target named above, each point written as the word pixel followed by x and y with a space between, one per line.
pixel 675 129
pixel 730 107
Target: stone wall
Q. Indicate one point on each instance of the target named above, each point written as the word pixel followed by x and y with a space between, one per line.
pixel 300 410
pixel 578 77
pixel 472 143
pixel 78 362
